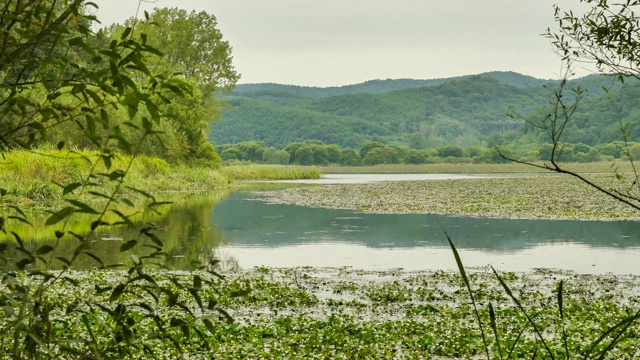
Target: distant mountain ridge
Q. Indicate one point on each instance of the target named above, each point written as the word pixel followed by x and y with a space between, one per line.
pixel 465 111
pixel 382 86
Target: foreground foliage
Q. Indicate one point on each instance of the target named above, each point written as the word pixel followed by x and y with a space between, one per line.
pixel 59 81
pixel 346 314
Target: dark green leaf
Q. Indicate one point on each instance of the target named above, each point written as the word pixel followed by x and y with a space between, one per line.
pixel 125 33
pixel 44 249
pixel 117 292
pixel 63 260
pixel 125 219
pixel 128 245
pixel 174 322
pixel 70 187
pixel 71 281
pixel 60 145
pixel 82 207
pixel 226 315
pixel 95 258
pixel 23 263
pixel 22 220
pixel 209 326
pixel 59 216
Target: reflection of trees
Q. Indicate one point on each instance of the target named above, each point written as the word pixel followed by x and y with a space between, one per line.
pixel 255 223
pixel 185 228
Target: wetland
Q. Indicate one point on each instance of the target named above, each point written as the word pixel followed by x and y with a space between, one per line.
pixel 368 273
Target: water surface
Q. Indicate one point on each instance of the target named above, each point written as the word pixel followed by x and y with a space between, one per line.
pixel 257 233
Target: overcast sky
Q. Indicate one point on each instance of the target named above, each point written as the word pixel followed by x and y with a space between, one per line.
pixel 339 42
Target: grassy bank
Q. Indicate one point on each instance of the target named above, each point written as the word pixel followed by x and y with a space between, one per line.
pixel 30 177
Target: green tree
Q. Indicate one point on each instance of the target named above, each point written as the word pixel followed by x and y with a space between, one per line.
pixel 368 146
pixel 269 156
pixel 333 153
pixel 251 150
pixel 382 155
pixel 349 157
pixel 473 151
pixel 305 155
pixel 291 149
pixel 415 157
pixel 417 141
pixel 282 157
pixel 451 151
pixel 193 49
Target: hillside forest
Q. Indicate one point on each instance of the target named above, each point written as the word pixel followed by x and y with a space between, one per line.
pixel 454 120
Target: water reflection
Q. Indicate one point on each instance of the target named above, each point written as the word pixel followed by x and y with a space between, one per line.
pixel 251 233
pixel 185 229
pixel 258 224
pixel 258 233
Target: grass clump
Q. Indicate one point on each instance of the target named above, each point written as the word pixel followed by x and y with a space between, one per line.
pixel 270 172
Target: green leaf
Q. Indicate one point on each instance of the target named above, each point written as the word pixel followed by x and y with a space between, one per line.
pixel 175 322
pixel 226 315
pixel 82 207
pixel 64 260
pixel 22 220
pixel 56 217
pixel 106 159
pixel 70 187
pixel 125 219
pixel 44 249
pixel 209 325
pixel 128 245
pixel 125 33
pixel 23 263
pixel 117 292
pixel 3 192
pixel 95 224
pixel 142 192
pixel 95 258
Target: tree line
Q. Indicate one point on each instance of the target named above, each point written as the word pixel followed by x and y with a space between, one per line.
pixel 316 152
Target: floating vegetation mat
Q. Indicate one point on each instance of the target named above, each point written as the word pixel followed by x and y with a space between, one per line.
pixel 530 196
pixel 341 313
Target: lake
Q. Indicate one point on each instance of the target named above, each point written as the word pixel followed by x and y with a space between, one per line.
pixel 245 232
pixel 257 233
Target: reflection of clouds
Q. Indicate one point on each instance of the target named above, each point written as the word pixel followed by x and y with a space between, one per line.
pixel 572 257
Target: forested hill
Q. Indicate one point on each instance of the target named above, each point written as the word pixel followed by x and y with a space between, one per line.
pixel 463 111
pixel 382 86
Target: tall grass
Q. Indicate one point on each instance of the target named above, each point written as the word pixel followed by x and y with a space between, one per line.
pixel 269 172
pixel 31 176
pixel 547 345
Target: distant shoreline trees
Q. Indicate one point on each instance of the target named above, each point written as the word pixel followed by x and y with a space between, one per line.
pixel 315 152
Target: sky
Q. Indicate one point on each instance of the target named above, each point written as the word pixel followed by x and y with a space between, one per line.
pixel 340 42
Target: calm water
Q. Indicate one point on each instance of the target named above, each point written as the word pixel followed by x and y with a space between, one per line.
pixel 246 232
pixel 257 233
